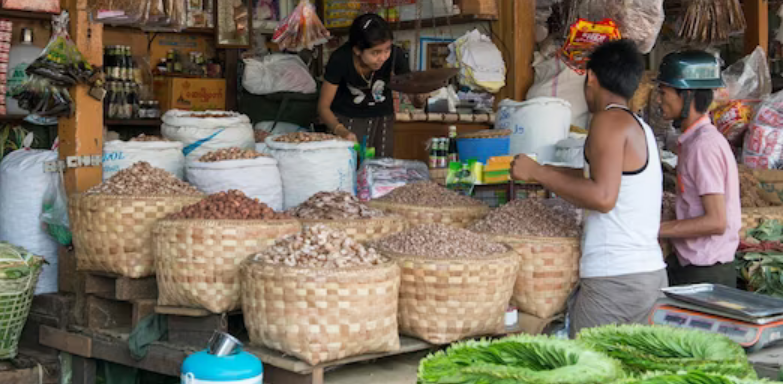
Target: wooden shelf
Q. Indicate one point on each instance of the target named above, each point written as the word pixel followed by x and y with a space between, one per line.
pixel 133 122
pixel 26 15
pixel 427 23
pixel 190 31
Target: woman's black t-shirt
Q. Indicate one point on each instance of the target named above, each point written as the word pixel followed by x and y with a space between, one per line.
pixel 355 97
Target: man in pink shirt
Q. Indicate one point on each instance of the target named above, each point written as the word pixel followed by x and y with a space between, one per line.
pixel 706 233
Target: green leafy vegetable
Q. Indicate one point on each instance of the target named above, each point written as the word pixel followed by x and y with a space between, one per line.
pixel 694 377
pixel 16 262
pixel 769 230
pixel 519 359
pixel 665 349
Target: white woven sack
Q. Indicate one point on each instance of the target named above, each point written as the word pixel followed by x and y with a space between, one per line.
pixel 23 184
pixel 119 155
pixel 309 168
pixel 202 135
pixel 257 178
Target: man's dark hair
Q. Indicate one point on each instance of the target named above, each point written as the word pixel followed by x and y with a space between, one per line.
pixel 702 98
pixel 619 67
pixel 369 30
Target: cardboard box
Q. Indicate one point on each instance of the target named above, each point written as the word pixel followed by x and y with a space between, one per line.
pixel 190 94
pixel 479 7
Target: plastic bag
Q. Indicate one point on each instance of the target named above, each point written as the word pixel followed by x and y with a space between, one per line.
pixel 277 73
pixel 302 29
pixel 749 77
pixel 763 147
pixel 118 12
pixel 54 214
pixel 377 177
pixel 583 37
pixel 164 16
pixel 639 20
pixel 732 119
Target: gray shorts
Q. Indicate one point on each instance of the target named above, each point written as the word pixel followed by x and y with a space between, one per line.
pixel 626 299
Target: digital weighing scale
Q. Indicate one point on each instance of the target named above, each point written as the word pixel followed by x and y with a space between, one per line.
pixel 752 320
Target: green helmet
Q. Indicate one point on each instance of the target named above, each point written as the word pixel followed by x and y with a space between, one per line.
pixel 690 70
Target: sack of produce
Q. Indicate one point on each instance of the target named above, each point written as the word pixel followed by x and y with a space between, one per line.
pixel 554 78
pixel 112 222
pixel 198 250
pixel 313 162
pixel 158 152
pixel 23 186
pixel 19 272
pixel 425 202
pixel 667 349
pixel 763 146
pixel 545 233
pixel 343 211
pixel 327 301
pixel 246 170
pixel 455 284
pixel 519 359
pixel 204 132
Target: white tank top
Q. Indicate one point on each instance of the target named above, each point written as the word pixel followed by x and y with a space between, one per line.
pixel 625 240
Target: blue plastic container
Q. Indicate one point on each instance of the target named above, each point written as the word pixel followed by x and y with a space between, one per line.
pixel 203 367
pixel 483 149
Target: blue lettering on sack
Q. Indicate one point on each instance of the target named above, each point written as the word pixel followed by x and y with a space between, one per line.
pixel 192 147
pixel 113 156
pixel 519 130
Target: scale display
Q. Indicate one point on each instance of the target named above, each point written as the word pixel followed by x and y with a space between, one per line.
pixel 750 336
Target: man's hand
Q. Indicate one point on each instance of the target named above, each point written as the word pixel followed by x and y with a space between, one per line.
pixel 524 168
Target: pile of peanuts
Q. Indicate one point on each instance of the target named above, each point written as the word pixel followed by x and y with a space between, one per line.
pixel 334 206
pixel 261 135
pixel 144 137
pixel 306 137
pixel 231 205
pixel 532 217
pixel 440 241
pixel 233 153
pixel 428 194
pixel 142 179
pixel 320 247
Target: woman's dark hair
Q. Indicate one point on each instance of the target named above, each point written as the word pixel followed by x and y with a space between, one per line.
pixel 369 30
pixel 702 98
pixel 619 67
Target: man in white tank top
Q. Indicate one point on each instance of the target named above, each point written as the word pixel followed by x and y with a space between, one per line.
pixel 622 268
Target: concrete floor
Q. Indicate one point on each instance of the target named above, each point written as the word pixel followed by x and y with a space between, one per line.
pixel 394 370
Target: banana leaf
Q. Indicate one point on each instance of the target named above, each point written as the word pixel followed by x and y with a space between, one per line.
pixel 694 377
pixel 519 359
pixel 644 349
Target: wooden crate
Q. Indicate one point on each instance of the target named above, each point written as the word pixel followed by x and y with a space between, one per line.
pixel 195 326
pixel 113 301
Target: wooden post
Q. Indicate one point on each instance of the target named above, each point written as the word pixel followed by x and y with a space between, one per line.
pixel 757 19
pixel 82 133
pixel 516 39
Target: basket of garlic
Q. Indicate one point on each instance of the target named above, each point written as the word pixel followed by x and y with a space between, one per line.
pixel 321 296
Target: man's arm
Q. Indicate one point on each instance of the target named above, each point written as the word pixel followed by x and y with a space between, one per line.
pixel 713 222
pixel 606 147
pixel 574 172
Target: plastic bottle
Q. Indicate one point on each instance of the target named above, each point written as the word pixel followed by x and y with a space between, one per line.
pixel 21 55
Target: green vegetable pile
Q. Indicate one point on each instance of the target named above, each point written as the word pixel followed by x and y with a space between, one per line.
pixel 519 359
pixel 760 259
pixel 16 262
pixel 665 349
pixel 694 377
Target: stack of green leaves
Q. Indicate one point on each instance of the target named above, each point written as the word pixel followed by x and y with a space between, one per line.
pixel 16 262
pixel 694 377
pixel 519 359
pixel 760 259
pixel 665 349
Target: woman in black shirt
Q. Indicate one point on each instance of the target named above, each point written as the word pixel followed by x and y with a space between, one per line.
pixel 355 98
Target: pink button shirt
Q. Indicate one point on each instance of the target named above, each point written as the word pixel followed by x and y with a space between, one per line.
pixel 706 166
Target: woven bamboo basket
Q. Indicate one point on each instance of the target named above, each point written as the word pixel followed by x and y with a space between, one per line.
pixel 16 298
pixel 198 261
pixel 321 315
pixel 364 230
pixel 752 217
pixel 114 233
pixel 459 217
pixel 445 300
pixel 548 272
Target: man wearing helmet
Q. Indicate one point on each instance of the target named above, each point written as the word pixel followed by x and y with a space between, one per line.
pixel 705 235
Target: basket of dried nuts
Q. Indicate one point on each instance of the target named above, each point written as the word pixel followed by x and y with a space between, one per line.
pixel 546 235
pixel 246 170
pixel 112 222
pixel 321 296
pixel 198 250
pixel 455 284
pixel 425 202
pixel 343 211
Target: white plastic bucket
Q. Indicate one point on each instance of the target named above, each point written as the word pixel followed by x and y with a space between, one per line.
pixel 536 125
